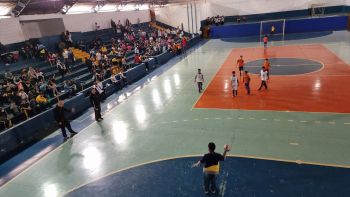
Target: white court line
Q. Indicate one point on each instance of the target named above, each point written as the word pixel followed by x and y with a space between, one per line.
pixel 294 144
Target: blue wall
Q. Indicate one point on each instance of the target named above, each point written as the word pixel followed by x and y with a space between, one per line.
pixel 292 26
pixel 230 31
pixel 287 14
pixel 317 24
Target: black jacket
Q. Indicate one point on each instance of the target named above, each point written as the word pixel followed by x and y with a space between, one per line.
pixel 95 99
pixel 58 113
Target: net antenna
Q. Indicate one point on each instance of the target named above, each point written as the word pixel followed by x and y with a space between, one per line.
pixel 318 7
pixel 272 28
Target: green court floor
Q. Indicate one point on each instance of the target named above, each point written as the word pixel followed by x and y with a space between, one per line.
pixel 159 122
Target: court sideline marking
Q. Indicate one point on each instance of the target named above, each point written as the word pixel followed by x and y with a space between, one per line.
pixel 300 162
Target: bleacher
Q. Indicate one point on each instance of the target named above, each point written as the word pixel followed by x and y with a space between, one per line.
pixel 25 132
pixel 79 73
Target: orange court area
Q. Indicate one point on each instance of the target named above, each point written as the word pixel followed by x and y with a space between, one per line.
pixel 326 90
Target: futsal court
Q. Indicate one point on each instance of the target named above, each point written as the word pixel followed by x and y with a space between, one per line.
pixel 292 140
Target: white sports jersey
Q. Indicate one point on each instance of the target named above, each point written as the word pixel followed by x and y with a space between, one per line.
pixel 199 78
pixel 263 75
pixel 234 82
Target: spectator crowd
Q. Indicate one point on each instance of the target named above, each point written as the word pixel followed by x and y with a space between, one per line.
pixel 28 92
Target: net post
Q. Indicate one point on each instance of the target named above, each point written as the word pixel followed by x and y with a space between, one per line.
pixel 261 29
pixel 284 29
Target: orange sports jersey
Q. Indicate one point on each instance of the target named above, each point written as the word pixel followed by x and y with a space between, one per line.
pixel 266 39
pixel 240 62
pixel 267 65
pixel 246 78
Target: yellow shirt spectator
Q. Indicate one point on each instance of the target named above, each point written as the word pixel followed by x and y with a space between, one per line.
pixel 104 49
pixel 41 99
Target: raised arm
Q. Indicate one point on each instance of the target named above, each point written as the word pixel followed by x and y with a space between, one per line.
pixel 226 149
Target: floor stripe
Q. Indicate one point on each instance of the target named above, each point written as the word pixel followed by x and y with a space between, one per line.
pixel 186 156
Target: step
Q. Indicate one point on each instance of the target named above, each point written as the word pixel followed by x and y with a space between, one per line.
pixel 73 69
pixel 72 75
pixel 84 77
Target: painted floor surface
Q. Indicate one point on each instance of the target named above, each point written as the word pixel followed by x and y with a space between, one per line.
pixel 239 177
pixel 158 121
pixel 324 89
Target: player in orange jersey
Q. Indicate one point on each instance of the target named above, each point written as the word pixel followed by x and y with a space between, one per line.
pixel 240 65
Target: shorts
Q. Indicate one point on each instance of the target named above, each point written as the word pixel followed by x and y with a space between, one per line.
pixel 241 68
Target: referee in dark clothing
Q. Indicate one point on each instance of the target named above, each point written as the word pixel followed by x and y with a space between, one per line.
pixel 61 119
pixel 211 167
pixel 96 103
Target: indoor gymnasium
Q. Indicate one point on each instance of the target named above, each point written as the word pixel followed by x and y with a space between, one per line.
pixel 160 98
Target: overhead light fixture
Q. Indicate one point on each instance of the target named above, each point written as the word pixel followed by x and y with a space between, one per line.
pixel 67 5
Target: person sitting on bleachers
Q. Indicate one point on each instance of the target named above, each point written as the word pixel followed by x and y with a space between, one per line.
pixel 42 101
pixel 98 56
pixel 39 75
pixel 32 74
pixel 4 120
pixel 104 49
pixel 23 96
pixel 27 86
pixel 68 87
pixel 26 109
pixel 14 109
pixel 137 59
pixel 52 87
pixel 8 75
pixel 52 58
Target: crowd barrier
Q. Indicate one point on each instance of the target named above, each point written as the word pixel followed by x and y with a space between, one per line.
pixel 331 23
pixel 36 128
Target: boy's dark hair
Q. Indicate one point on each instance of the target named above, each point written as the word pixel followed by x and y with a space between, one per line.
pixel 211 146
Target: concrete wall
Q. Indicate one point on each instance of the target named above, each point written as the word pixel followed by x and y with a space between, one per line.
pixel 176 14
pixel 10 31
pixel 13 30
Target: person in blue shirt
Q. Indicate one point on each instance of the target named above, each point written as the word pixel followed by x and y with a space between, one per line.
pixel 211 167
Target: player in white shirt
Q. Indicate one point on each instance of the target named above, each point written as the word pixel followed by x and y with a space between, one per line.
pixel 199 79
pixel 264 78
pixel 234 82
